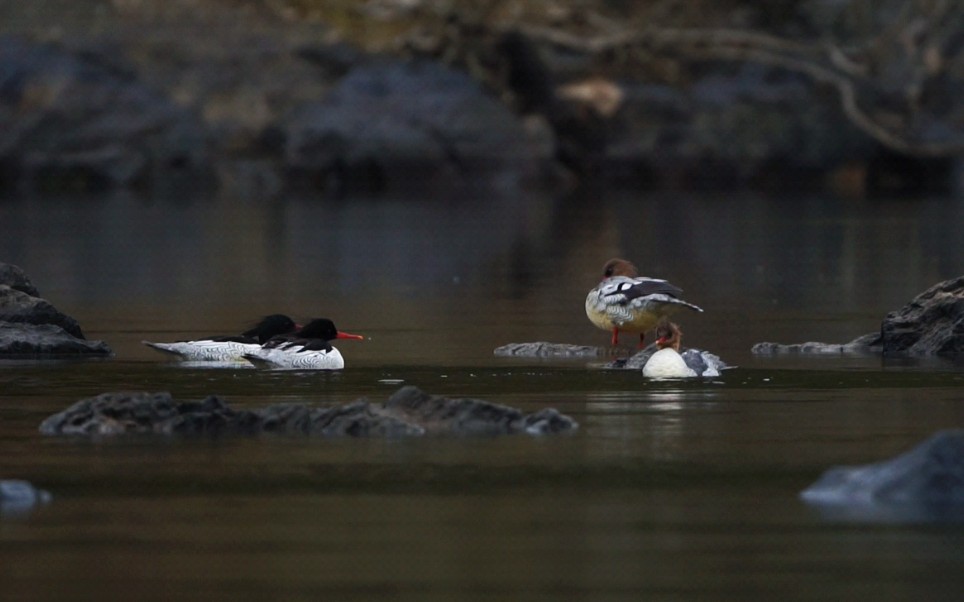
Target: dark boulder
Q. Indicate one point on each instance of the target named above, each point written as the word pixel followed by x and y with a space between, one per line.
pixel 408 412
pixel 396 125
pixel 16 279
pixel 29 325
pixel 45 340
pixel 932 323
pixel 18 307
pixel 925 482
pixel 71 121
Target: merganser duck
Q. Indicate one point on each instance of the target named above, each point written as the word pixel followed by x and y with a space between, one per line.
pixel 308 348
pixel 625 301
pixel 229 348
pixel 667 362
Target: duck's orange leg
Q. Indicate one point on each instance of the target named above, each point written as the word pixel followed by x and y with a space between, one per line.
pixel 615 339
pixel 642 339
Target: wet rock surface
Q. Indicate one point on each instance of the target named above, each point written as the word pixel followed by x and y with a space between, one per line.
pixel 30 325
pixel 932 323
pixel 408 412
pixel 926 481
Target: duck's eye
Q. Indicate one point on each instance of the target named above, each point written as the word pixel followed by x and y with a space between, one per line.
pixel 608 272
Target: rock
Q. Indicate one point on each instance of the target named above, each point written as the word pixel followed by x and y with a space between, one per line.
pixel 932 323
pixel 409 412
pixel 19 307
pixel 45 339
pixel 862 345
pixel 471 416
pixel 75 122
pixel 926 481
pixel 30 325
pixel 15 278
pixel 392 125
pixel 18 498
pixel 544 349
pixel 356 419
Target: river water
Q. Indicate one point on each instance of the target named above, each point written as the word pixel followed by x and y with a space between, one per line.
pixel 668 491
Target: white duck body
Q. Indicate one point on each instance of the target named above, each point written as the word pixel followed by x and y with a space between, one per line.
pixel 207 350
pixel 298 357
pixel 229 348
pixel 308 349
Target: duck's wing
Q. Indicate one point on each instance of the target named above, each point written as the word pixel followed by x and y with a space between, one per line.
pixel 622 291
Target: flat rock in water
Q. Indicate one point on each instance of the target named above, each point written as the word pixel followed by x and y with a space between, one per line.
pixel 544 349
pixel 927 481
pixel 860 346
pixel 409 412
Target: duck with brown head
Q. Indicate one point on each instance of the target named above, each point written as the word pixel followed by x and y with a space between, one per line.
pixel 624 301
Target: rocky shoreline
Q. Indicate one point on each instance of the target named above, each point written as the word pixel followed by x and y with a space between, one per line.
pixel 180 99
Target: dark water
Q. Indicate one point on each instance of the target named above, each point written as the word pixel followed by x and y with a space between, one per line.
pixel 668 491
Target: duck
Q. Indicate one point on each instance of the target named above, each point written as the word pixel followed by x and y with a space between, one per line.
pixel 229 348
pixel 668 362
pixel 308 348
pixel 624 301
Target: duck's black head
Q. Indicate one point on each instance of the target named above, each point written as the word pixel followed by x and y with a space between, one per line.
pixel 272 325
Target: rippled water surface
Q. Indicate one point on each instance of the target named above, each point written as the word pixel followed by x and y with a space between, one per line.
pixel 667 491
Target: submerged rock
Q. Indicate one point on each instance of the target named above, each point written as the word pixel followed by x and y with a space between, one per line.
pixel 19 497
pixel 927 481
pixel 932 323
pixel 471 416
pixel 30 325
pixel 544 349
pixel 409 412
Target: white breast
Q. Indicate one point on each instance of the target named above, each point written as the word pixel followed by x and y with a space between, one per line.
pixel 296 357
